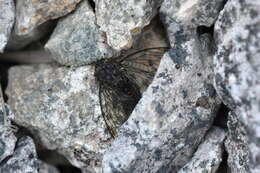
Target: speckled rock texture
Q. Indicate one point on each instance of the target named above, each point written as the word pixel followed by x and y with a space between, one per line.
pixel 213 59
pixel 32 13
pixel 172 117
pixel 77 40
pixel 192 12
pixel 236 145
pixel 7 137
pixel 60 106
pixel 123 20
pixel 237 67
pixel 23 160
pixel 208 155
pixel 183 17
pixel 7 17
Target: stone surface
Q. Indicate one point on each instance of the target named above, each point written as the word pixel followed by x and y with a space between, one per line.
pixel 192 13
pixel 23 160
pixel 123 20
pixel 31 13
pixel 236 145
pixel 182 18
pixel 172 117
pixel 7 17
pixel 208 155
pixel 7 137
pixel 237 67
pixel 60 106
pixel 77 40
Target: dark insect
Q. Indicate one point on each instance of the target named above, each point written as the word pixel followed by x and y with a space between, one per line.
pixel 122 81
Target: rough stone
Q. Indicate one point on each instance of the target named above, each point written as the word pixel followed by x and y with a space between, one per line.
pixel 77 40
pixel 7 16
pixel 237 67
pixel 7 137
pixel 61 107
pixel 192 13
pixel 30 13
pixel 236 145
pixel 208 155
pixel 171 118
pixel 23 160
pixel 123 20
pixel 182 18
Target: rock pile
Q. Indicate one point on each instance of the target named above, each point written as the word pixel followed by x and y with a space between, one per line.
pixel 51 98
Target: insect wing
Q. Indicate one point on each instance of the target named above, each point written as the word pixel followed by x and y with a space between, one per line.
pixel 112 108
pixel 141 65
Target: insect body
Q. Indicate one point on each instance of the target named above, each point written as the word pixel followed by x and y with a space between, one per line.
pixel 121 82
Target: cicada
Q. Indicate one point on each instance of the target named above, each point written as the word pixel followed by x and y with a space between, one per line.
pixel 122 81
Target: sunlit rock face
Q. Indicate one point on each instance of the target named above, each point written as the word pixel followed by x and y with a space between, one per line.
pixel 198 113
pixel 237 67
pixel 7 17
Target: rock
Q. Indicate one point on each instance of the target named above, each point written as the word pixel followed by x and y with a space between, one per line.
pixel 208 155
pixel 182 18
pixel 236 145
pixel 171 118
pixel 24 158
pixel 7 18
pixel 192 13
pixel 123 20
pixel 237 67
pixel 77 40
pixel 30 13
pixel 60 106
pixel 7 137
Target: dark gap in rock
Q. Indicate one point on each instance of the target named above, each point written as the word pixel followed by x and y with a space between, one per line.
pixel 68 169
pixel 204 29
pixel 93 5
pixel 161 20
pixel 4 67
pixel 221 118
pixel 39 44
pixel 52 157
pixel 22 131
pixel 163 28
pixel 223 167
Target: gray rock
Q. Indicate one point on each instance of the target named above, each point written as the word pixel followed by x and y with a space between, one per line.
pixel 123 20
pixel 183 17
pixel 192 13
pixel 30 13
pixel 23 160
pixel 236 146
pixel 237 67
pixel 77 40
pixel 7 137
pixel 7 17
pixel 171 118
pixel 61 107
pixel 208 155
